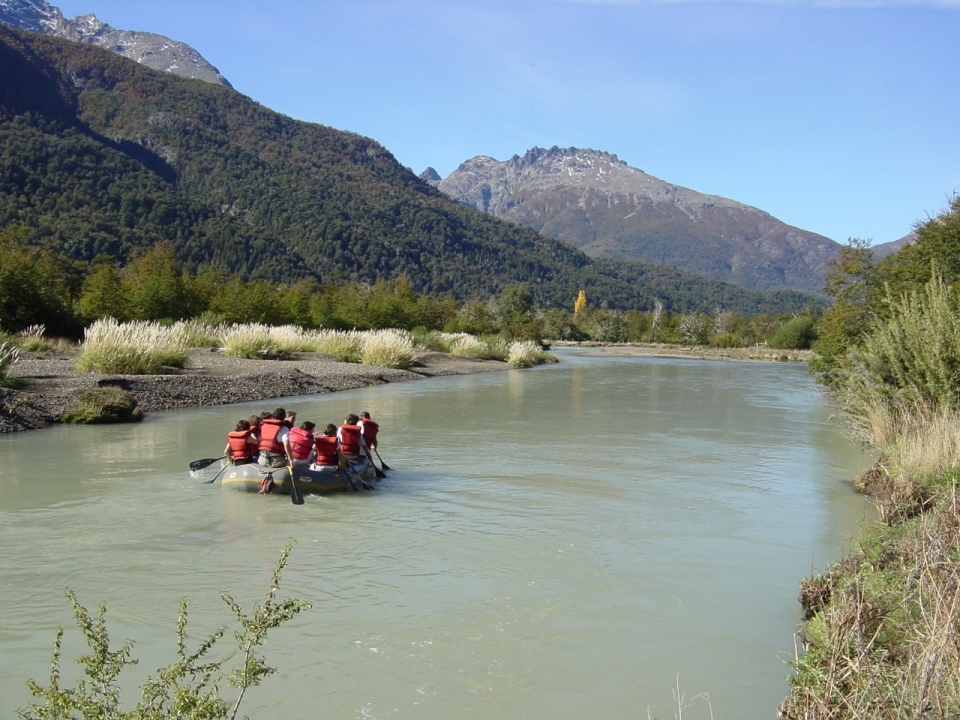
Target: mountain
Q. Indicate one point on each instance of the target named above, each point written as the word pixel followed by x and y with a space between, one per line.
pixel 104 156
pixel 154 51
pixel 595 202
pixel 888 248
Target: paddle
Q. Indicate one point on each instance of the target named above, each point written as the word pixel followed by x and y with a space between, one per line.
pixel 380 473
pixel 207 482
pixel 206 462
pixel 366 485
pixel 385 466
pixel 349 480
pixel 296 497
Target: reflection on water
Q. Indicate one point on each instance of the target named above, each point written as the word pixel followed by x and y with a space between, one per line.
pixel 562 542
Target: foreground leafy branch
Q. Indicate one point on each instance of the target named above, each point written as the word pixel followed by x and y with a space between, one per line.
pixel 188 689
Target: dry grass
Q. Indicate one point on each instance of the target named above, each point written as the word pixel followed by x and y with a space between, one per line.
pixel 251 341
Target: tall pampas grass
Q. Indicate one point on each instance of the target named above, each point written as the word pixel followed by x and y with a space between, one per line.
pixel 345 345
pixel 133 348
pixel 251 341
pixel 9 355
pixel 387 348
pixel 525 353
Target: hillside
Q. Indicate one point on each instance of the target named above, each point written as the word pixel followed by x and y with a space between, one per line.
pixel 102 155
pixel 594 201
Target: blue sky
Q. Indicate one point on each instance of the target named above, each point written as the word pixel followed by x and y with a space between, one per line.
pixel 840 117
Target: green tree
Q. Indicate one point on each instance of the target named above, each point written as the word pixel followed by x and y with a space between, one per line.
pixel 155 285
pixel 37 287
pixel 798 333
pixel 104 294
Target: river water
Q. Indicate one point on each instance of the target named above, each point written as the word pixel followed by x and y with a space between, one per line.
pixel 578 540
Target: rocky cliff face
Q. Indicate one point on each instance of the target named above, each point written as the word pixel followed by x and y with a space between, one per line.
pixel 598 203
pixel 154 51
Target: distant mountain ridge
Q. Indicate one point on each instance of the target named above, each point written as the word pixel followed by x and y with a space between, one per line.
pixel 596 202
pixel 154 51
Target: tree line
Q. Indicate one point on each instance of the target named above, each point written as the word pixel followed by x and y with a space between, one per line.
pixel 41 287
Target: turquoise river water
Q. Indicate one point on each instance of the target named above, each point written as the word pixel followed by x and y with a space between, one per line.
pixel 578 540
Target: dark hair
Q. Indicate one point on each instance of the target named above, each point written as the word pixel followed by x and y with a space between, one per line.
pixel 365 415
pixel 254 420
pixel 352 419
pixel 330 430
pixel 243 425
pixel 279 414
pixel 266 415
pixel 307 425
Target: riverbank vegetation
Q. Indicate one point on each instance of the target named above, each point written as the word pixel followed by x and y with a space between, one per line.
pixel 882 639
pixel 190 687
pixel 69 296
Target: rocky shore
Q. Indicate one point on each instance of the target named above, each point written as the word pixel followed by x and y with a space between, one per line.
pixel 42 387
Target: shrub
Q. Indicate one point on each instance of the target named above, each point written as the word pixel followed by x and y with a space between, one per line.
pixel 32 340
pixel 467 346
pixel 188 688
pixel 101 405
pixel 387 348
pixel 250 341
pixel 291 339
pixel 798 333
pixel 134 348
pixel 909 363
pixel 525 353
pixel 199 333
pixel 345 345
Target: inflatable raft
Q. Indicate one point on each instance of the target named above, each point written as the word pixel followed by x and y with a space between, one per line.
pixel 319 481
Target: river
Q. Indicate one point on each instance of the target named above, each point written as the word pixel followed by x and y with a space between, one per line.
pixel 578 540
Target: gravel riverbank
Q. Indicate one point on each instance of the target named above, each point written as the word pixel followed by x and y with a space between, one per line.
pixel 44 385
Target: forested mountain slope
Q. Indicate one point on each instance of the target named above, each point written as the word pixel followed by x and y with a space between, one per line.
pixel 102 155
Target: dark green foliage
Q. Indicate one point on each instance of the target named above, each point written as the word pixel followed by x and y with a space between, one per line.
pixel 798 333
pixel 101 405
pixel 104 156
pixel 36 287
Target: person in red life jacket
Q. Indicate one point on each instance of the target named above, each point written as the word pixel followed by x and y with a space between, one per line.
pixel 369 430
pixel 327 448
pixel 241 445
pixel 273 435
pixel 299 445
pixel 351 439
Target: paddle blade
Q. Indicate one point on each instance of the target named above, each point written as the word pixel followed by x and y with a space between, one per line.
pixel 296 497
pixel 380 473
pixel 206 462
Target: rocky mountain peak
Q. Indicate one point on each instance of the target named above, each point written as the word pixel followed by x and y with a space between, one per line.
pixel 154 51
pixel 594 201
pixel 430 176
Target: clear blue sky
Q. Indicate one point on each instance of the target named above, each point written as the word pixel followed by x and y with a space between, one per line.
pixel 841 117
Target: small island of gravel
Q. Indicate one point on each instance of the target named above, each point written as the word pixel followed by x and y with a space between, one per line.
pixel 44 385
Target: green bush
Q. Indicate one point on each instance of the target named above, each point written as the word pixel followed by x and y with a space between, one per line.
pixel 102 405
pixel 799 333
pixel 187 689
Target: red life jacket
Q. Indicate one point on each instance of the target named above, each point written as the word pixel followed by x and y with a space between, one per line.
pixel 326 450
pixel 350 439
pixel 239 447
pixel 301 443
pixel 370 430
pixel 269 429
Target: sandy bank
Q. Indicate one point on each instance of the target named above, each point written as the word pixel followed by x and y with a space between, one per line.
pixel 45 384
pixel 747 354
